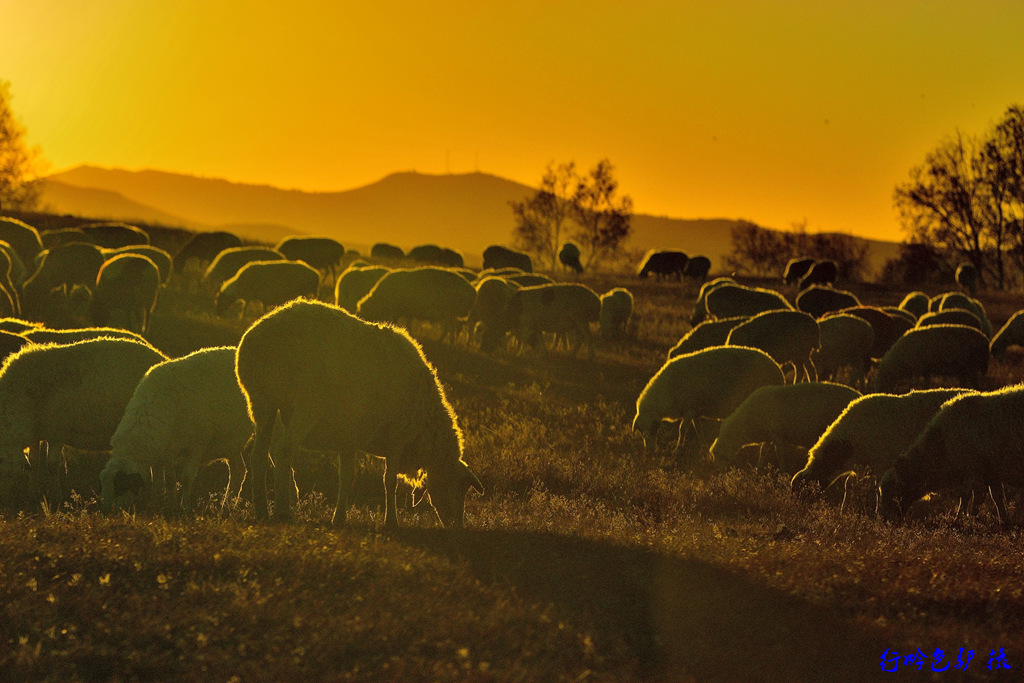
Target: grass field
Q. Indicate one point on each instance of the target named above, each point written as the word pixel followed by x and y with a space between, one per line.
pixel 586 559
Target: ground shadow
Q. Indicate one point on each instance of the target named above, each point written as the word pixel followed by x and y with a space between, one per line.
pixel 682 619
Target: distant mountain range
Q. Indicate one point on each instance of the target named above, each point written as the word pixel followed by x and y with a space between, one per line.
pixel 464 211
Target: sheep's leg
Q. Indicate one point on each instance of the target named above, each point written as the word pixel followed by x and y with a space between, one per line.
pixel 810 371
pixel 259 462
pixel 236 476
pixel 346 477
pixel 188 479
pixel 390 503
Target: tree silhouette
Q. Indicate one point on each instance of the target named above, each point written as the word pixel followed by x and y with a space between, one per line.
pixel 19 186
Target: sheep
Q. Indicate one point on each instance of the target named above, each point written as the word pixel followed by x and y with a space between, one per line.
pixel 321 253
pixel 468 274
pixel 700 311
pixel 711 383
pixel 19 273
pixel 451 258
pixel 229 261
pixel 204 247
pixel 72 395
pixel 662 263
pixel 497 256
pixel 114 235
pixel 77 263
pixel 558 308
pixel 17 325
pixel 967 277
pixel 616 310
pixel 270 282
pixel 1010 334
pixel 185 413
pixel 975 442
pixel 796 268
pixel 10 342
pixel 55 238
pixel 887 329
pixel 935 350
pixel 786 336
pixel 705 335
pixel 792 415
pixel 915 303
pixel 344 385
pixel 383 251
pixel 490 309
pixel 23 238
pixel 846 341
pixel 871 432
pixel 818 300
pixel 897 312
pixel 429 293
pixel 730 300
pixel 957 300
pixel 696 269
pixel 9 300
pixel 569 256
pixel 128 284
pixel 42 335
pixel 530 279
pixel 821 273
pixel 160 258
pixel 499 272
pixel 427 254
pixel 355 283
pixel 951 316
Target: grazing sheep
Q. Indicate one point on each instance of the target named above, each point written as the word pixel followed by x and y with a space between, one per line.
pixel 23 238
pixel 967 277
pixel 204 247
pixel 270 282
pixel 953 300
pixel 77 263
pixel 663 263
pixel 490 310
pixel 430 293
pixel 383 251
pixel 451 258
pixel 72 395
pixel 127 284
pixel 616 310
pixel 497 256
pixel 114 235
pixel 955 350
pixel 530 279
pixel 229 261
pixel 1010 334
pixel 499 272
pixel 427 254
pixel 846 341
pixel 700 310
pixel 344 385
pixel 915 303
pixel 950 316
pixel 705 335
pixel 184 414
pixel 897 312
pixel 792 415
pixel 821 273
pixel 818 300
pixel 870 433
pixel 730 300
pixel 355 283
pixel 796 268
pixel 558 308
pixel 936 302
pixel 887 329
pixel 55 238
pixel 974 443
pixel 321 253
pixel 786 336
pixel 158 256
pixel 569 256
pixel 696 269
pixel 42 335
pixel 710 383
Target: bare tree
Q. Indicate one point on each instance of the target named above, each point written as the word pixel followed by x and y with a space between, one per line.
pixel 19 185
pixel 603 220
pixel 541 219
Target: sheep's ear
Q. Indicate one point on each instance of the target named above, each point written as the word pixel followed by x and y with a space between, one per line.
pixel 127 483
pixel 418 495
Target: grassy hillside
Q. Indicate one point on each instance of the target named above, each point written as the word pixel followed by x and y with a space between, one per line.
pixel 586 559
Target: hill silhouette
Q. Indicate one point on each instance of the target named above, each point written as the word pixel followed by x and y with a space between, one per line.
pixel 465 211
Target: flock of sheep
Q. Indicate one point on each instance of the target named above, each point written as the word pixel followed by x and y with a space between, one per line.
pixel 348 378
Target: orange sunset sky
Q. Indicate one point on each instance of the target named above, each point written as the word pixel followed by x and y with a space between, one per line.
pixel 771 111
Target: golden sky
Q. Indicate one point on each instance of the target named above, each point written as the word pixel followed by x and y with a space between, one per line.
pixel 776 111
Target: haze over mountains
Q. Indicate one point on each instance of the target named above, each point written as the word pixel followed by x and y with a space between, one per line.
pixel 463 211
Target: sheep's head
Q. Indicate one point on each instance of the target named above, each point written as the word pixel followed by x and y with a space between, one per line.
pixel 890 497
pixel 121 485
pixel 445 489
pixel 648 428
